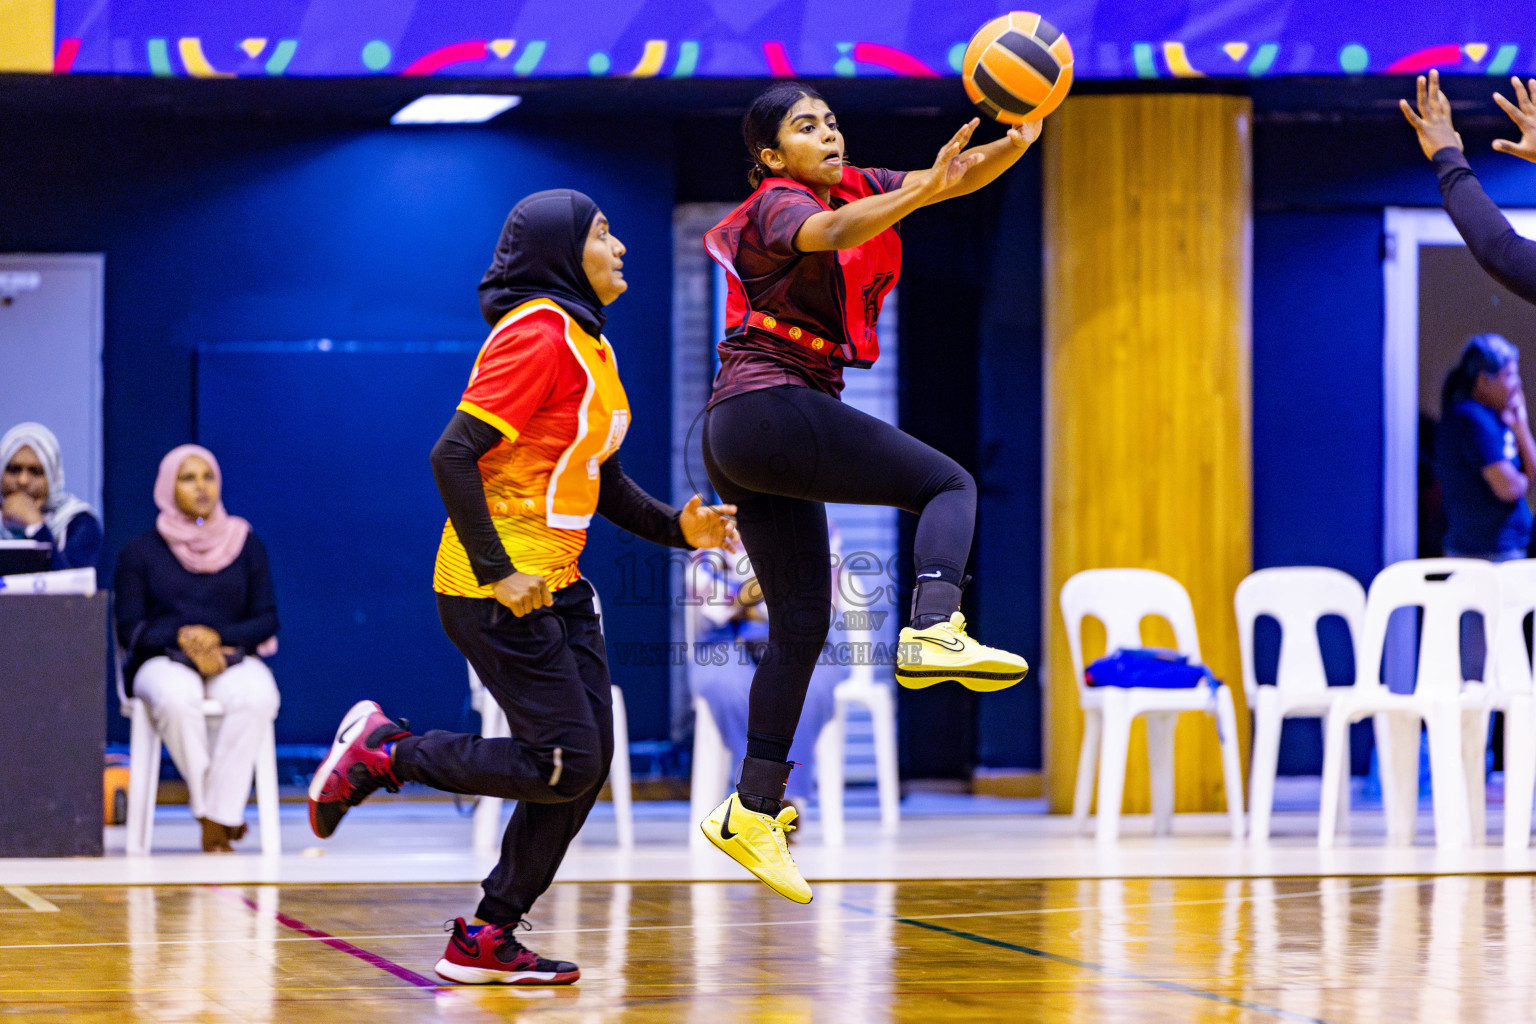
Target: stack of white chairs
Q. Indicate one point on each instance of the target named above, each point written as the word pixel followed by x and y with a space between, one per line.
pixel 144 775
pixel 493 725
pixel 1121 599
pixel 1296 598
pixel 1512 693
pixel 1454 710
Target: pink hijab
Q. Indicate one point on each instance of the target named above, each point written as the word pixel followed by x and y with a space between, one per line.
pixel 200 545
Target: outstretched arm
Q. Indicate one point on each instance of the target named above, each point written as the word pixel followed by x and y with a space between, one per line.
pixel 626 505
pixel 859 221
pixel 995 158
pixel 1498 248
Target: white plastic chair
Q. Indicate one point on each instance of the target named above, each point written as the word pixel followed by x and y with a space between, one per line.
pixel 493 725
pixel 862 688
pixel 1296 597
pixel 1454 711
pixel 1511 691
pixel 1121 599
pixel 144 775
pixel 714 768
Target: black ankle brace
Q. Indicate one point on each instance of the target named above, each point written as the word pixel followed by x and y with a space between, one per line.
pixel 762 783
pixel 937 592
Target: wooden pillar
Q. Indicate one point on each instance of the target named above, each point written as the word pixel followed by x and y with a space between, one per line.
pixel 1147 390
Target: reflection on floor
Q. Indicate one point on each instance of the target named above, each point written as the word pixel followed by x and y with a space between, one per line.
pixel 392 839
pixel 1341 949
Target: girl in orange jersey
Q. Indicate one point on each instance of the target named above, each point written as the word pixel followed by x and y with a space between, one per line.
pixel 527 459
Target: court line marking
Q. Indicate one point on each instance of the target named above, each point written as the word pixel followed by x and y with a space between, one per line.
pixel 31 899
pixel 293 923
pixel 1252 898
pixel 1114 972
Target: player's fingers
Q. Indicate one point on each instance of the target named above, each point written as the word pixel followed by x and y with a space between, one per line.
pixel 1423 85
pixel 1413 118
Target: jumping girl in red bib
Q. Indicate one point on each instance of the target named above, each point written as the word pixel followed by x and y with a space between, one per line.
pixel 810 257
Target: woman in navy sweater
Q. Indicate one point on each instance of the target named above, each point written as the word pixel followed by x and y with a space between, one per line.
pixel 195 614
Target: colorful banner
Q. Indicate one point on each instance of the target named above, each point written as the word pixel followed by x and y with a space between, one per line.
pixel 687 38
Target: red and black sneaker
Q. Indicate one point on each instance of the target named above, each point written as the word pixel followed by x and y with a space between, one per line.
pixel 491 955
pixel 356 766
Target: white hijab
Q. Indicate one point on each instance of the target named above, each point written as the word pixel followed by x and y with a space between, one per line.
pixel 60 507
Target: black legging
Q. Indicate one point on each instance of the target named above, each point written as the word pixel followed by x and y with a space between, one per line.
pixel 549 672
pixel 778 454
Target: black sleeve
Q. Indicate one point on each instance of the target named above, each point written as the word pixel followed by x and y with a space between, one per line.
pixel 456 468
pixel 1507 257
pixel 129 594
pixel 260 621
pixel 623 503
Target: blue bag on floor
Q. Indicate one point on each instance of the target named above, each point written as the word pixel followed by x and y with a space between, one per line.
pixel 1155 667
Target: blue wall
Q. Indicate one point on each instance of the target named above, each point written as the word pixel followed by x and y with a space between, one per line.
pixel 219 233
pixel 1008 527
pixel 1318 317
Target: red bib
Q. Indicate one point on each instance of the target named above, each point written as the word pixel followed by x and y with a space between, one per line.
pixel 869 272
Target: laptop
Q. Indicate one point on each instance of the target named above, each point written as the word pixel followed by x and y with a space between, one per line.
pixel 19 556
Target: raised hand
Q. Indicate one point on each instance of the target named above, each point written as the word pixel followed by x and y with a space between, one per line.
pixel 1514 412
pixel 951 164
pixel 1524 116
pixel 1023 135
pixel 1432 121
pixel 21 507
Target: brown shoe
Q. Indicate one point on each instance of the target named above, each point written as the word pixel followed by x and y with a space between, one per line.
pixel 218 836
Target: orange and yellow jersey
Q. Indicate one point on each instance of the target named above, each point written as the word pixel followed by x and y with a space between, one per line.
pixel 553 392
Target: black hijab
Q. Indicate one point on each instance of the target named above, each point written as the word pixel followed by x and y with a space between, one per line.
pixel 539 255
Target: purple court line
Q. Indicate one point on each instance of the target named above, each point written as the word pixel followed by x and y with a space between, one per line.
pixel 403 973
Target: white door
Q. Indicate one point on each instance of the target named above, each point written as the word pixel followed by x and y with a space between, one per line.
pixel 50 356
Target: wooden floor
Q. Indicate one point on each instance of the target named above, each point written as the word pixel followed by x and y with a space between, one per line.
pixel 1433 949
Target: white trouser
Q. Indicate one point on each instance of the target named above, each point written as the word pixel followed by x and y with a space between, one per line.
pixel 218 776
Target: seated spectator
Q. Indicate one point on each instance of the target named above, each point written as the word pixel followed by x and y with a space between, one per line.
pixel 195 615
pixel 34 504
pixel 729 641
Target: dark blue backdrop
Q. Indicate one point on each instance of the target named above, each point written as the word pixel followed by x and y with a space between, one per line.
pixel 238 233
pixel 234 232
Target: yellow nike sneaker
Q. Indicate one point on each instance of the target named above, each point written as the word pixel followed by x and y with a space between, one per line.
pixel 756 842
pixel 943 651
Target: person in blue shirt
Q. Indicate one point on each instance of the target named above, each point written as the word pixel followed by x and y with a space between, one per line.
pixel 34 504
pixel 1484 453
pixel 730 640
